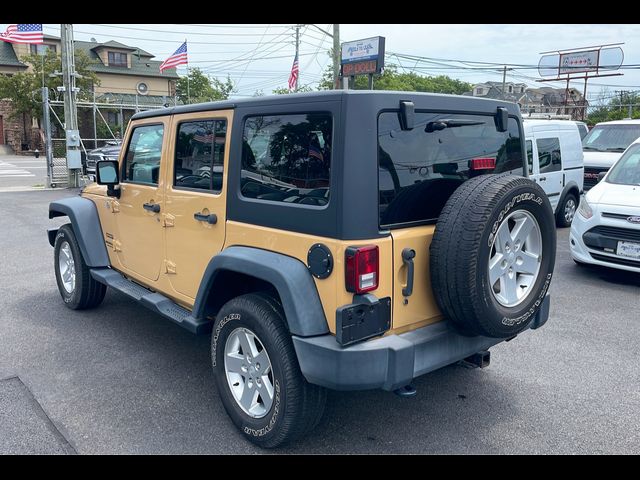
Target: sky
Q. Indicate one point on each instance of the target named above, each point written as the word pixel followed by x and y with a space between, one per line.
pixel 259 57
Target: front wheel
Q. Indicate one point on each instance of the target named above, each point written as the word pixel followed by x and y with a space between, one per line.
pixel 566 211
pixel 77 288
pixel 257 373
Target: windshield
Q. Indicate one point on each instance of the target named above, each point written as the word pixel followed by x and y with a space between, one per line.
pixel 626 171
pixel 611 138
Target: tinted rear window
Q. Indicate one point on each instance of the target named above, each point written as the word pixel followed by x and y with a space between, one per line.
pixel 419 169
pixel 287 158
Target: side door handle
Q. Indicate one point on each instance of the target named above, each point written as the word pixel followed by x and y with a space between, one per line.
pixel 407 258
pixel 542 179
pixel 211 219
pixel 151 207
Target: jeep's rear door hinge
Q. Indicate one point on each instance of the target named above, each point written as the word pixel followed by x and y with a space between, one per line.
pixel 169 220
pixel 169 267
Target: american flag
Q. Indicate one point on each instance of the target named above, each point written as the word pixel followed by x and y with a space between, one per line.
pixel 315 152
pixel 293 78
pixel 179 57
pixel 23 33
pixel 207 138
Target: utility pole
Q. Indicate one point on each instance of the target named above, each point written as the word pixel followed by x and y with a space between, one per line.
pixel 336 55
pixel 69 75
pixel 46 124
pixel 504 80
pixel 296 57
pixel 621 92
pixel 95 125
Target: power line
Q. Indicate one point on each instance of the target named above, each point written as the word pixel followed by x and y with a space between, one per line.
pixel 209 25
pixel 167 41
pixel 184 33
pixel 252 55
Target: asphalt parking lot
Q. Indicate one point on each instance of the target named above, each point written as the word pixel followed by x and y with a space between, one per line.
pixel 120 379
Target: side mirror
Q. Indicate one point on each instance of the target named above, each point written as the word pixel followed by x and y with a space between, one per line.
pixel 107 174
pixel 601 175
pixel 502 119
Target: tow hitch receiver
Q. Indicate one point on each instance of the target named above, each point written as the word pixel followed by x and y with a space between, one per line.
pixel 480 359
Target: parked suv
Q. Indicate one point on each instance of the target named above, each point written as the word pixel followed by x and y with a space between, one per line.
pixel 344 240
pixel 555 159
pixel 110 151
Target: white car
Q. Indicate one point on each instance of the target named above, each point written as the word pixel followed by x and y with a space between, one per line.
pixel 606 229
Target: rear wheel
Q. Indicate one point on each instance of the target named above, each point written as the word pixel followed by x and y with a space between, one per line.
pixel 257 373
pixel 77 287
pixel 492 255
pixel 566 211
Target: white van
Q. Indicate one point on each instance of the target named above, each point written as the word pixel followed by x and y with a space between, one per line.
pixel 555 159
pixel 604 145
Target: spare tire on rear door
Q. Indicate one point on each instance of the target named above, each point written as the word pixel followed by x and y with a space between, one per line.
pixel 492 255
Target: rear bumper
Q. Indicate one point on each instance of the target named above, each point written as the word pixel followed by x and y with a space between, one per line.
pixel 392 361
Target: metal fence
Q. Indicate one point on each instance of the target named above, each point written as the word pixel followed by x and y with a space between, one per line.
pixel 90 126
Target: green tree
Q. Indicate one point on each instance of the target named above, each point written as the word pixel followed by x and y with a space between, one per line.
pixel 285 90
pixel 23 88
pixel 616 108
pixel 392 79
pixel 196 87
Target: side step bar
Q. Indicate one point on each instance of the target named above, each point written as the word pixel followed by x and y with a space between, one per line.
pixel 152 300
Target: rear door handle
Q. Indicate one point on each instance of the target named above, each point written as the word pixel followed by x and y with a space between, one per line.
pixel 542 179
pixel 211 219
pixel 407 258
pixel 151 207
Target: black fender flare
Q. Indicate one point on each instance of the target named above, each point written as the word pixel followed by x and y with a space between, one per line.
pixel 570 186
pixel 289 276
pixel 86 225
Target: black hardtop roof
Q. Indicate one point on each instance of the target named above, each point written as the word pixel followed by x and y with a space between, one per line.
pixel 435 100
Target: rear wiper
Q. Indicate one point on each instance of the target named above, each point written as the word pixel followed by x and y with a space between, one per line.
pixel 442 124
pixel 593 148
pixel 616 149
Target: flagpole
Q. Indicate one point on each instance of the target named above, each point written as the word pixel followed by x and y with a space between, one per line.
pixel 297 49
pixel 188 92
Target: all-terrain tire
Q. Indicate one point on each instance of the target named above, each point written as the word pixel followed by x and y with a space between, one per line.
pixel 82 292
pixel 297 405
pixel 473 229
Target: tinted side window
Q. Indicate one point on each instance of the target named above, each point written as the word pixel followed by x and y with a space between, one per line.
pixel 419 169
pixel 529 146
pixel 549 154
pixel 199 156
pixel 142 160
pixel 287 158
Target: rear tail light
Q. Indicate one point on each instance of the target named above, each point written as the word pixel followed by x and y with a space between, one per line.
pixel 362 269
pixel 483 164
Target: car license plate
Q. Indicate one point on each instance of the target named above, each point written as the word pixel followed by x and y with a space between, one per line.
pixel 629 249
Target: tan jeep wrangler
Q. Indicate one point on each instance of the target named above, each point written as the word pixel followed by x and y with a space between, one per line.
pixel 345 240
